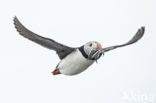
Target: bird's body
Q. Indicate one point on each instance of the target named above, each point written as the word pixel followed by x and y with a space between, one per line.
pixel 74 63
pixel 73 60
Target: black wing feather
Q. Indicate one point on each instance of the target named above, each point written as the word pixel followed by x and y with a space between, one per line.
pixel 135 38
pixel 60 49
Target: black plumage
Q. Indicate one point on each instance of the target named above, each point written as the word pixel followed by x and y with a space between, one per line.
pixel 61 50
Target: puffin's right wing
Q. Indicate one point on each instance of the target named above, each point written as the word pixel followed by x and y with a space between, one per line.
pixel 60 49
pixel 134 39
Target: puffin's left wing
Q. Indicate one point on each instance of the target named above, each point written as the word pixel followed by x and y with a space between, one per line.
pixel 60 49
pixel 135 38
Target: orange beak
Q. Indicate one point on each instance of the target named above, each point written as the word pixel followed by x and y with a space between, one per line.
pixel 100 47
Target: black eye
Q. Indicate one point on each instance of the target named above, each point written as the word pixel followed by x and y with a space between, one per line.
pixel 90 44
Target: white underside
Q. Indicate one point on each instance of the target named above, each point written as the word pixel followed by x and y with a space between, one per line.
pixel 74 63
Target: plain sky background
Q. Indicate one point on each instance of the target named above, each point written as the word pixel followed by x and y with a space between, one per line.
pixel 124 75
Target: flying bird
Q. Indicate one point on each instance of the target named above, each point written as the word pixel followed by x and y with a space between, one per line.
pixel 73 60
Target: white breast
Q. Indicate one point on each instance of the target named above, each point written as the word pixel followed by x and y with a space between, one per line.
pixel 74 63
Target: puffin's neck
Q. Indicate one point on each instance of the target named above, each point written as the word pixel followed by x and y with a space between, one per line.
pixel 83 52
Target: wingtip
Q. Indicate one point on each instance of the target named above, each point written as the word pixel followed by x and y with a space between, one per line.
pixel 15 18
pixel 143 29
pixel 16 22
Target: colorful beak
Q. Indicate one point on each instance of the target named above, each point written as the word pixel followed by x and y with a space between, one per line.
pixel 100 47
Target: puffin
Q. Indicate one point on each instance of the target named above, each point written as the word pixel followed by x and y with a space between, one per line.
pixel 73 60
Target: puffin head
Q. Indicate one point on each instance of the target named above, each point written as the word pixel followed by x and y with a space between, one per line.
pixel 93 50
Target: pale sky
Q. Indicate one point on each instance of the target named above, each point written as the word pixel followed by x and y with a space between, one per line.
pixel 124 75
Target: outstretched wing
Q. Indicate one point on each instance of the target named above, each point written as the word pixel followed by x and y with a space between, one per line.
pixel 135 38
pixel 60 49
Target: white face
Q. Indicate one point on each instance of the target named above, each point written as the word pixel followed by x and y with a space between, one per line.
pixel 92 47
pixel 88 47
